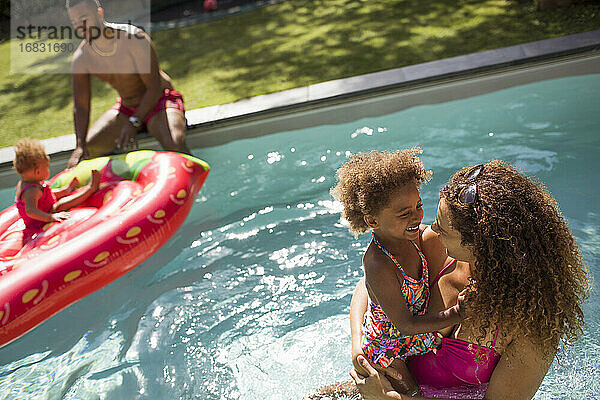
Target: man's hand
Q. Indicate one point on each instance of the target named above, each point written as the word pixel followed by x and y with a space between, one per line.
pixel 373 386
pixel 80 153
pixel 127 140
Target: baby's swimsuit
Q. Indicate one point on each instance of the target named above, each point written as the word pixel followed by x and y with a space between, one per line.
pixel 381 341
pixel 457 370
pixel 44 204
pixel 15 238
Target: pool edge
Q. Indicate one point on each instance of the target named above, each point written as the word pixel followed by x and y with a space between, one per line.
pixel 202 120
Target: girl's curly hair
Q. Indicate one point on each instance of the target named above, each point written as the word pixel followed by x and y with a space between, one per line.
pixel 367 181
pixel 29 153
pixel 529 276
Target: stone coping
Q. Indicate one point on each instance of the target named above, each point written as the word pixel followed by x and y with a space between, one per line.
pixel 348 88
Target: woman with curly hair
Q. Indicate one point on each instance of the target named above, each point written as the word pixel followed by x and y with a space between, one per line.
pixel 526 282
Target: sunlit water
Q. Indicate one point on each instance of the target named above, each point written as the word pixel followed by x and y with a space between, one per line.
pixel 249 299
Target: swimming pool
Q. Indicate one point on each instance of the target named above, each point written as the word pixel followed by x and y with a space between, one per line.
pixel 249 300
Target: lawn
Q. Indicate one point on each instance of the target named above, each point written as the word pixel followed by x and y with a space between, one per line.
pixel 292 44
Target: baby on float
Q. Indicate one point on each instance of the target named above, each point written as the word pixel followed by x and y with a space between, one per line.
pixel 37 203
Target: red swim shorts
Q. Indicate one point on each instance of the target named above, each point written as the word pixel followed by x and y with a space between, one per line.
pixel 169 99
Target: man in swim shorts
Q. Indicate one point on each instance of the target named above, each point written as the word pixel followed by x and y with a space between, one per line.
pixel 122 56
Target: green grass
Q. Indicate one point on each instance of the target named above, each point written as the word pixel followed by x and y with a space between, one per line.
pixel 293 44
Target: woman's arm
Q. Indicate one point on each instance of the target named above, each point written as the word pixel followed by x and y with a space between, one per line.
pixel 519 372
pixel 517 375
pixel 375 386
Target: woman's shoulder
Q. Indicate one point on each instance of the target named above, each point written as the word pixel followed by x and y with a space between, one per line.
pixel 521 369
pixel 433 250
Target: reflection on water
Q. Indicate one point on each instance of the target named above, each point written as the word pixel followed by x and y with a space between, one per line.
pixel 249 299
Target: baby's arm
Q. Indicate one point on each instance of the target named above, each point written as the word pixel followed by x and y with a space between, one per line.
pixel 30 198
pixel 76 199
pixel 66 190
pixel 384 287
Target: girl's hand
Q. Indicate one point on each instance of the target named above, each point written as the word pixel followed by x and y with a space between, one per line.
pixel 73 185
pixel 389 371
pixel 96 177
pixel 357 367
pixel 59 216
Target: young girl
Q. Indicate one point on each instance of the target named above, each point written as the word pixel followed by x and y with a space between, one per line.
pixel 37 203
pixel 380 193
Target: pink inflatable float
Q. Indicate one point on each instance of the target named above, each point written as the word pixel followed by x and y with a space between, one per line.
pixel 144 198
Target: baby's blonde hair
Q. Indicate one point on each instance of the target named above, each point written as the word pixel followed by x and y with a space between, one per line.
pixel 29 153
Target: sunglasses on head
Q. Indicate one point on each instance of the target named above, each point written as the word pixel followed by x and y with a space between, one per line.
pixel 468 194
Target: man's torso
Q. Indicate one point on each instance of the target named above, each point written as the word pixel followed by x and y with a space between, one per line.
pixel 127 53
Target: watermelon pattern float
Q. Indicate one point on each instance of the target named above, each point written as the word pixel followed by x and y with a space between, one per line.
pixel 144 197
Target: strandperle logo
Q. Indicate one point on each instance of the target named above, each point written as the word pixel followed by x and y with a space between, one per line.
pixel 44 39
pixel 68 32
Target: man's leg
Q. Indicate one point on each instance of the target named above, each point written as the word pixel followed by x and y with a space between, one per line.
pixel 168 127
pixel 102 136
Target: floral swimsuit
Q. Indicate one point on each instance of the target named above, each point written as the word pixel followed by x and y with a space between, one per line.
pixel 381 341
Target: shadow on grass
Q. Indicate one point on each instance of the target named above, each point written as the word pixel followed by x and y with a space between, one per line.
pixel 297 42
pixel 47 92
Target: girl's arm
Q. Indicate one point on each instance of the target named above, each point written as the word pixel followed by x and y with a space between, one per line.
pixel 383 285
pixel 76 199
pixel 66 190
pixel 358 308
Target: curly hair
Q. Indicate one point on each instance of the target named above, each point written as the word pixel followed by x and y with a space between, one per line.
pixel 29 153
pixel 530 277
pixel 368 180
pixel 71 3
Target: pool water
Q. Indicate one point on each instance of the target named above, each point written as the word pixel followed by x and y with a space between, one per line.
pixel 250 298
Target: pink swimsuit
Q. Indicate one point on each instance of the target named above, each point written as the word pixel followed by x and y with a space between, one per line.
pixel 456 370
pixel 45 204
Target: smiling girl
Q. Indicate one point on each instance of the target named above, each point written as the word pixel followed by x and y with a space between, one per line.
pixel 380 193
